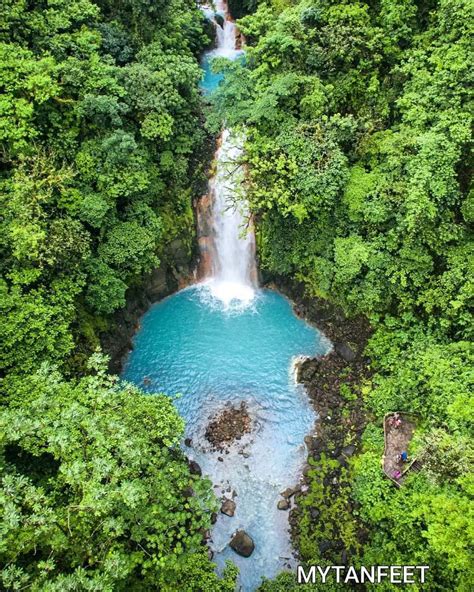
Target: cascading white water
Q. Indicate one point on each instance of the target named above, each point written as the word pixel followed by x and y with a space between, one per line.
pixel 234 246
pixel 215 359
pixel 233 253
pixel 225 34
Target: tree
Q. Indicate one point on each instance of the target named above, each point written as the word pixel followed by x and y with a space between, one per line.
pixel 96 492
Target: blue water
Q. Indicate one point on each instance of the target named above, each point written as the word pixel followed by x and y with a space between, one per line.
pixel 187 344
pixel 210 80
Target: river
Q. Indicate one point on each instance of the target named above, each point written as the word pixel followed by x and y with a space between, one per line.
pixel 224 342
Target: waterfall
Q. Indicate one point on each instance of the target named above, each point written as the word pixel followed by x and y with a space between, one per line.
pixel 233 262
pixel 227 243
pixel 225 34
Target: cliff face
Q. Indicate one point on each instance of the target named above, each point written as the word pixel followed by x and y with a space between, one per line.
pixel 175 272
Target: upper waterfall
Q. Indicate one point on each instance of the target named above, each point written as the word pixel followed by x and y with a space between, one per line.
pixel 230 250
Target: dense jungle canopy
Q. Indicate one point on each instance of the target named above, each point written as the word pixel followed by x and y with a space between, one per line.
pixel 358 118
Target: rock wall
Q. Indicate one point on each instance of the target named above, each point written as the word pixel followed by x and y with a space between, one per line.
pixel 175 272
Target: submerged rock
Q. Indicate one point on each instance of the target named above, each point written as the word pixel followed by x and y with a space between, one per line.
pixel 242 543
pixel 228 507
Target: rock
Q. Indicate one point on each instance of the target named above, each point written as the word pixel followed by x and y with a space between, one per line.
pixel 346 353
pixel 219 19
pixel 228 507
pixel 242 543
pixel 314 513
pixel 342 460
pixel 313 443
pixel 194 468
pixel 324 546
pixel 158 283
pixel 178 251
pixel 213 518
pixel 188 442
pixel 228 426
pixel 290 492
pixel 283 504
pixel 220 459
pixel 348 450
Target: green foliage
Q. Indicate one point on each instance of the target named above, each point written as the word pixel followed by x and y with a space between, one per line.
pixel 99 121
pixel 334 520
pixel 357 133
pixel 358 120
pixel 96 493
pixel 99 126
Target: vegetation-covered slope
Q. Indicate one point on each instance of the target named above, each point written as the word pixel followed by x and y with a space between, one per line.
pixel 99 121
pixel 100 116
pixel 358 119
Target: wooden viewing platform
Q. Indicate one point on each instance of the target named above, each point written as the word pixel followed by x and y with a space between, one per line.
pixel 397 440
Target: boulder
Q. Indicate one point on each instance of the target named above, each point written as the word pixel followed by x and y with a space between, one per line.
pixel 345 352
pixel 194 468
pixel 342 460
pixel 228 507
pixel 219 19
pixel 325 546
pixel 290 492
pixel 242 543
pixel 313 443
pixel 348 450
pixel 283 504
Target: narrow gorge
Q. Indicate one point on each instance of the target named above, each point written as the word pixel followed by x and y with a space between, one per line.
pixel 227 350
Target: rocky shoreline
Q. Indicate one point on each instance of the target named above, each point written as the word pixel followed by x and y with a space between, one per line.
pixel 333 385
pixel 341 414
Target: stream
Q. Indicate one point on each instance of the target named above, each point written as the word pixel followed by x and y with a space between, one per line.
pixel 224 341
